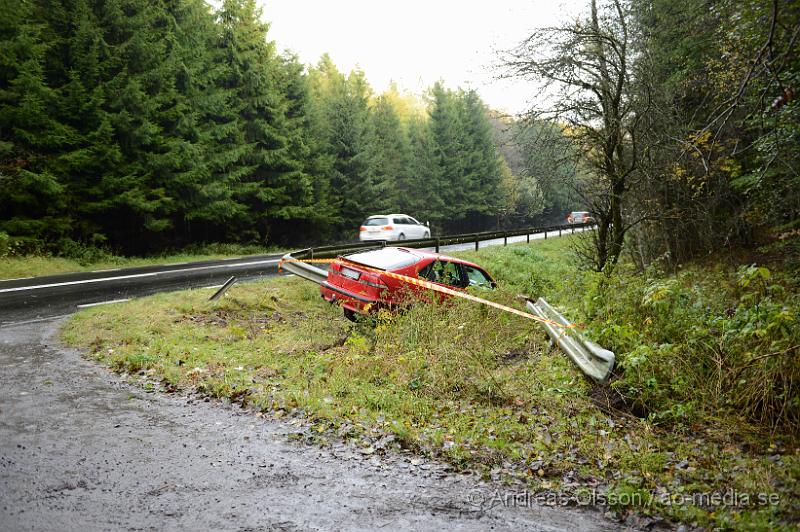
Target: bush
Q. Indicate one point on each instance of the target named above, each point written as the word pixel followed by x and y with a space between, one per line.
pixel 702 342
pixel 81 253
pixel 5 245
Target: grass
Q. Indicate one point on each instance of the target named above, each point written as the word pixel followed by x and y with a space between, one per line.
pixel 13 267
pixel 459 382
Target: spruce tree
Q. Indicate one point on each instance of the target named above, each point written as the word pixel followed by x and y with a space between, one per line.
pixel 345 130
pixel 391 157
pixel 425 197
pixel 273 185
pixel 33 198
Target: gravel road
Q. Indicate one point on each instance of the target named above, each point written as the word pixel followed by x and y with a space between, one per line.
pixel 81 449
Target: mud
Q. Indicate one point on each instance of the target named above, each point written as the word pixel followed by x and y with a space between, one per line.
pixel 82 450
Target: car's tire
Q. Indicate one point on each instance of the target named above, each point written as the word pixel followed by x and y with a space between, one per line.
pixel 350 314
pixel 401 237
pixel 426 235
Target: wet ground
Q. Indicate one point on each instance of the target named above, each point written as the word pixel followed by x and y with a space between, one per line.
pixel 81 449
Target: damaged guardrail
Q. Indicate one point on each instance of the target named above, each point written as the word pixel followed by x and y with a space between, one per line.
pixel 291 263
pixel 593 360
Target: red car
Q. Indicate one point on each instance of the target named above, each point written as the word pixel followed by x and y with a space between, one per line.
pixel 359 282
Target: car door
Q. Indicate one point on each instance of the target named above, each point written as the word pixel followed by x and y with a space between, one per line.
pixel 418 228
pixel 399 227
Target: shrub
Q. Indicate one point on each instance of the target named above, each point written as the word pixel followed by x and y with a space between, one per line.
pixel 702 341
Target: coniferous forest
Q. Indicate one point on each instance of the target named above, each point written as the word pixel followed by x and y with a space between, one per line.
pixel 137 125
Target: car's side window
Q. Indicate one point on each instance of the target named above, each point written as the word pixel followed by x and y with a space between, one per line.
pixel 412 221
pixel 443 272
pixel 477 277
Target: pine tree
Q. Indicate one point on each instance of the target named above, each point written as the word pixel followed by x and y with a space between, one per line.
pixel 274 185
pixel 481 167
pixel 425 197
pixel 32 197
pixel 344 128
pixel 446 131
pixel 313 213
pixel 391 157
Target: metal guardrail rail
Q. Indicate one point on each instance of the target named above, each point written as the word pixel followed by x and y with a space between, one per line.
pixel 593 360
pixel 319 275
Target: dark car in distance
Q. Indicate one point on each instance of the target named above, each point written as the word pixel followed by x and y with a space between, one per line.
pixel 579 217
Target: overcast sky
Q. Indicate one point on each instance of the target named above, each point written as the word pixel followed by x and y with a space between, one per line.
pixel 417 42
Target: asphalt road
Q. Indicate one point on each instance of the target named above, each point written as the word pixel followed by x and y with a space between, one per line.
pixel 36 298
pixel 81 449
pixel 53 295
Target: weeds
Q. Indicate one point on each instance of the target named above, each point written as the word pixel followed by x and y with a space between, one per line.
pixel 708 357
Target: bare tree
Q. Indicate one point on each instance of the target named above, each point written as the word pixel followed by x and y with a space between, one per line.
pixel 584 70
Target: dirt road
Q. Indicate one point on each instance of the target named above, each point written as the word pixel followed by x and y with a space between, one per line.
pixel 82 450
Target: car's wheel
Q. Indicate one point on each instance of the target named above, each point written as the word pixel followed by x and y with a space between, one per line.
pixel 426 235
pixel 350 314
pixel 401 237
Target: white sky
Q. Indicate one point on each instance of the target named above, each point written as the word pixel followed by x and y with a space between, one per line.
pixel 415 43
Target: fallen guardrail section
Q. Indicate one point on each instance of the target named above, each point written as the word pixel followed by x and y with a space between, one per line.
pixel 593 360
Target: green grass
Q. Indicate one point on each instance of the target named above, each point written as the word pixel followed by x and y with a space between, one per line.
pixel 14 267
pixel 460 382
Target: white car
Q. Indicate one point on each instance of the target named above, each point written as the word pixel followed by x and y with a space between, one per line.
pixel 392 227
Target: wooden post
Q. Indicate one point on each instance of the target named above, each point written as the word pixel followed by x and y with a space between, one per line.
pixel 476 242
pixel 437 245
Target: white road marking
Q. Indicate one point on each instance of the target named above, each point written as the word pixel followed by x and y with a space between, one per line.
pixel 87 305
pixel 137 275
pixel 37 320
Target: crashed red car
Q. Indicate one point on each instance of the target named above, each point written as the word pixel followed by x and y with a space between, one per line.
pixel 360 284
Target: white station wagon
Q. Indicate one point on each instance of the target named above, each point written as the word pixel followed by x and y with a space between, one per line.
pixel 392 227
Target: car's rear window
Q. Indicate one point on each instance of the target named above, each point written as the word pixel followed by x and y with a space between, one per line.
pixel 385 259
pixel 377 221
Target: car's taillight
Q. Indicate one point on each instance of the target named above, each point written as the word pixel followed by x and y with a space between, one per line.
pixel 362 229
pixel 387 227
pixel 335 266
pixel 373 280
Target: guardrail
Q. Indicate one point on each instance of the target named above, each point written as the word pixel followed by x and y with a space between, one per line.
pixel 319 276
pixel 593 360
pixel 328 252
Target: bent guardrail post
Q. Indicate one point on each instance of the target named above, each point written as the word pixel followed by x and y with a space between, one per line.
pixel 593 360
pixel 222 289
